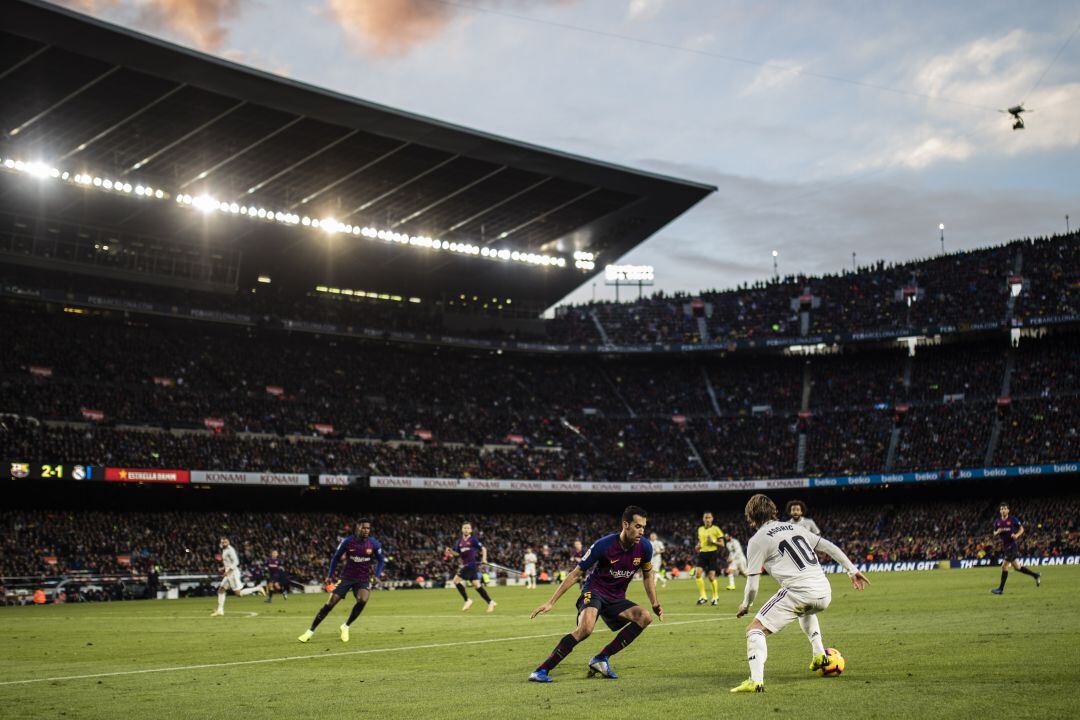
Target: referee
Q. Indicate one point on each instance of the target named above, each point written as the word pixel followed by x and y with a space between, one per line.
pixel 710 538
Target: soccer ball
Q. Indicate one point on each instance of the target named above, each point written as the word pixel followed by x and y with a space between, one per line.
pixel 834 663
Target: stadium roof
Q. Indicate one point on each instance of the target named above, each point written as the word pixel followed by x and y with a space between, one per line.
pixel 86 97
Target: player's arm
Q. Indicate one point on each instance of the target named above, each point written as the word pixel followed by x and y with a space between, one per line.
pixel 749 594
pixel 858 580
pixel 648 577
pixel 1019 531
pixel 380 560
pixel 483 554
pixel 756 559
pixel 334 560
pixel 565 585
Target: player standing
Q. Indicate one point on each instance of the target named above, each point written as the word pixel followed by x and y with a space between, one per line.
pixel 231 577
pixel 658 548
pixel 710 537
pixel 796 510
pixel 736 560
pixel 472 553
pixel 1009 529
pixel 789 554
pixel 530 569
pixel 358 551
pixel 611 563
pixel 276 579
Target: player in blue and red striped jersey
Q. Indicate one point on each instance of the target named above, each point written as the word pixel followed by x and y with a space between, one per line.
pixel 357 553
pixel 609 565
pixel 276 579
pixel 1009 529
pixel 473 554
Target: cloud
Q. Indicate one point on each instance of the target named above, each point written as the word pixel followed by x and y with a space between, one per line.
pixel 643 9
pixel 200 22
pixel 391 27
pixel 776 75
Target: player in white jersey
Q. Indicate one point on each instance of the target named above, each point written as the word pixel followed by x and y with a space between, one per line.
pixel 231 578
pixel 530 569
pixel 658 558
pixel 796 510
pixel 789 554
pixel 736 560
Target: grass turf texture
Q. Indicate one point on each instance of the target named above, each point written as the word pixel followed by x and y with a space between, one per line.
pixel 930 644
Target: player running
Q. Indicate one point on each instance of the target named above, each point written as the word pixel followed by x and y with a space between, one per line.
pixel 610 564
pixel 796 510
pixel 736 560
pixel 658 548
pixel 530 569
pixel 276 579
pixel 468 548
pixel 710 538
pixel 358 552
pixel 1009 529
pixel 231 578
pixel 789 554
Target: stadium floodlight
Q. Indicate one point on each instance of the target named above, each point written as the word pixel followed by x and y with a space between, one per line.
pixel 265 279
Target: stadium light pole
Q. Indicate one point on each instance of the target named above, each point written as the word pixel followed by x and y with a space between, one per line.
pixel 941 227
pixel 1066 224
pixel 775 267
pixel 854 265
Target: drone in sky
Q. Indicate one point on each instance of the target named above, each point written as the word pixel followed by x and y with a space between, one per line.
pixel 1016 111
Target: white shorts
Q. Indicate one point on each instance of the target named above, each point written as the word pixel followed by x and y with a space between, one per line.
pixel 786 606
pixel 737 565
pixel 530 570
pixel 232 581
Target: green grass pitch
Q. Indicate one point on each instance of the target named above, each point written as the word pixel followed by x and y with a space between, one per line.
pixel 918 645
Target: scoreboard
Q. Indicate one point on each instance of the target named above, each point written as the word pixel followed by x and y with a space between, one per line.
pixel 53 471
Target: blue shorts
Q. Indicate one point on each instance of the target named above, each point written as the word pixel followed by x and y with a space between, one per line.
pixel 609 609
pixel 354 586
pixel 468 572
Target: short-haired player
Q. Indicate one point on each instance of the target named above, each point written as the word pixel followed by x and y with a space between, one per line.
pixel 710 539
pixel 736 560
pixel 231 579
pixel 608 566
pixel 530 568
pixel 788 552
pixel 658 548
pixel 472 552
pixel 1009 529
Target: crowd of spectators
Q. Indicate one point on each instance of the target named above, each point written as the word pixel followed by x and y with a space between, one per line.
pixel 52 543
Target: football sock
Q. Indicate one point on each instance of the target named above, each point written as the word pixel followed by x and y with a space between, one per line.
pixel 715 588
pixel 1004 577
pixel 756 653
pixel 461 589
pixel 320 616
pixel 1026 571
pixel 809 625
pixel 624 638
pixel 247 591
pixel 221 602
pixel 700 587
pixel 356 610
pixel 731 580
pixel 559 653
pixel 483 593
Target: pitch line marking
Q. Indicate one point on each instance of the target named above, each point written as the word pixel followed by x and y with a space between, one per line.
pixel 290 658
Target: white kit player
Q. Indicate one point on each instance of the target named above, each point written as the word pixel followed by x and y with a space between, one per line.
pixel 736 560
pixel 789 554
pixel 658 558
pixel 231 579
pixel 796 510
pixel 530 569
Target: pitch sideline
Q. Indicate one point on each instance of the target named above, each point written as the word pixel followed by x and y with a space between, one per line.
pixel 290 658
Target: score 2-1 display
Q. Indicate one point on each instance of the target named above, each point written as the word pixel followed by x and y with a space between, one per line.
pixel 54 471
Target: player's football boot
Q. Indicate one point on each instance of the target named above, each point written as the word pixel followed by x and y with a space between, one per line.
pixel 749 686
pixel 997 591
pixel 491 606
pixel 306 636
pixel 467 605
pixel 344 633
pixel 715 602
pixel 702 601
pixel 217 613
pixel 1038 579
pixel 600 666
pixel 540 676
pixel 730 587
pixel 818 662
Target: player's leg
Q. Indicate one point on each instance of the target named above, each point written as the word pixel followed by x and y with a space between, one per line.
pixel 699 578
pixel 459 584
pixel 333 600
pixel 586 623
pixel 639 619
pixel 757 652
pixel 362 597
pixel 269 592
pixel 715 585
pixel 1005 566
pixel 731 570
pixel 482 592
pixel 810 626
pixel 1027 571
pixel 222 589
